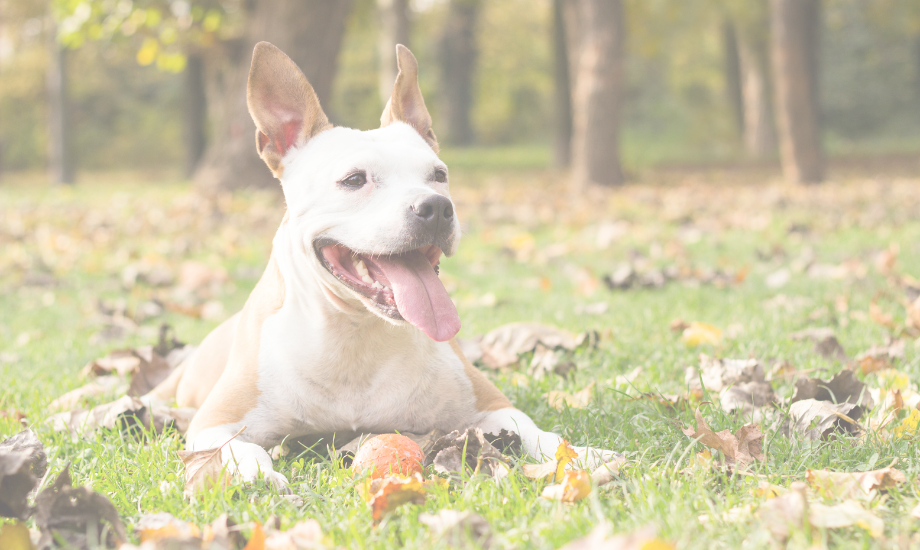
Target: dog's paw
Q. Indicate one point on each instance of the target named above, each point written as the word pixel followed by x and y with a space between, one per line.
pixel 250 462
pixel 591 458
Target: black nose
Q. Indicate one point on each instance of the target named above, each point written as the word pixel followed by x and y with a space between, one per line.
pixel 433 208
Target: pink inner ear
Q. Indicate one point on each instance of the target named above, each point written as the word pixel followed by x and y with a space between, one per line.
pixel 289 132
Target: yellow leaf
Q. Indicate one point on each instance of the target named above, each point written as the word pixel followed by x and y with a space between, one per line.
pixel 394 491
pixel 909 425
pixel 575 486
pixel 257 540
pixel 15 536
pixel 148 52
pixel 698 334
pixel 564 454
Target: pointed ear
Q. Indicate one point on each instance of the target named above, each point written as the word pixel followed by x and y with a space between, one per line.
pixel 282 104
pixel 406 104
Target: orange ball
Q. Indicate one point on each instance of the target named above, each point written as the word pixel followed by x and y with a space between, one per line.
pixel 389 454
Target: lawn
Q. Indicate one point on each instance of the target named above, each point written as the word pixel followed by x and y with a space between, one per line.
pixel 756 258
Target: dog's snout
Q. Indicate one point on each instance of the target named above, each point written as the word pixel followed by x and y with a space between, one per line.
pixel 433 209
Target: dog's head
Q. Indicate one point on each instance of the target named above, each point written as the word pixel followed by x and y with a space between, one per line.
pixel 371 209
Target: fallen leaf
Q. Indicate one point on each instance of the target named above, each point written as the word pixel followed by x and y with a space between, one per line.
pixel 741 384
pixel 786 513
pixel 164 526
pixel 559 400
pixel 599 539
pixel 698 334
pixel 741 448
pixel 99 386
pixel 459 529
pixel 913 314
pixel 844 387
pixel 546 361
pixel 204 469
pixel 856 484
pixel 845 514
pixel 126 413
pixel 22 462
pixel 880 317
pixel 502 346
pixel 909 426
pixel 916 511
pixel 389 493
pixel 553 469
pixel 76 515
pixel 15 536
pixel 471 449
pixel 575 485
pixel 765 489
pixel 257 539
pixel 816 419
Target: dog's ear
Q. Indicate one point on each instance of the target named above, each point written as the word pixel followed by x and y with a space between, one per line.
pixel 282 104
pixel 406 104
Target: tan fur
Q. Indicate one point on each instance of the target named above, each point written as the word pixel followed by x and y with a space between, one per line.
pixel 407 104
pixel 237 392
pixel 488 397
pixel 278 95
pixel 206 365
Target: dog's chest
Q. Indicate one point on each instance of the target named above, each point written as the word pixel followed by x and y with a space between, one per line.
pixel 371 387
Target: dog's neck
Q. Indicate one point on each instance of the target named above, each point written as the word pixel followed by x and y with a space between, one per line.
pixel 342 320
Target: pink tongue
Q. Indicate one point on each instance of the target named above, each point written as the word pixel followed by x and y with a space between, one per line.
pixel 420 297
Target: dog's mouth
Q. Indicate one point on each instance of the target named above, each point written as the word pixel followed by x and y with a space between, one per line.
pixel 401 286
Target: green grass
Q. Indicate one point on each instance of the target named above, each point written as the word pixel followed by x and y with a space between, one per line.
pixel 83 237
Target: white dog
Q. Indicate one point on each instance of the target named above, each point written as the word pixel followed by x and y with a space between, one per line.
pixel 349 329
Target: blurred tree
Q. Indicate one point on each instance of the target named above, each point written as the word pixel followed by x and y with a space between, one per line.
pixel 795 27
pixel 595 29
pixel 748 19
pixel 562 134
pixel 394 29
pixel 60 152
pixel 458 52
pixel 310 32
pixel 218 36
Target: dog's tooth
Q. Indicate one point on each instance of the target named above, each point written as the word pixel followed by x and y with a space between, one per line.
pixel 377 285
pixel 361 269
pixel 367 279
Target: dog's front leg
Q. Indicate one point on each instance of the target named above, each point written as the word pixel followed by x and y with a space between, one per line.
pixel 249 460
pixel 538 443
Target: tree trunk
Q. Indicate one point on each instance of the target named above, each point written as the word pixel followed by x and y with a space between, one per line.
pixel 732 71
pixel 458 54
pixel 194 107
pixel 596 30
pixel 60 154
pixel 794 56
pixel 758 130
pixel 394 29
pixel 562 149
pixel 310 32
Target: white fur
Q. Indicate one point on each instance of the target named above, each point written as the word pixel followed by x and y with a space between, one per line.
pixel 328 365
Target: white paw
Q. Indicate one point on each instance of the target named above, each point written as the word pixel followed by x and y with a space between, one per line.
pixel 250 462
pixel 591 458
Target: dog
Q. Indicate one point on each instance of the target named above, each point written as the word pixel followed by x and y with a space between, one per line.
pixel 349 329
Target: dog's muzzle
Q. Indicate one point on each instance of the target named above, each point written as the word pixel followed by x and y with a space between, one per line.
pixel 430 221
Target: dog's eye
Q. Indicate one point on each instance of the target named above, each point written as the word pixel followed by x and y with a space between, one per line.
pixel 355 180
pixel 440 176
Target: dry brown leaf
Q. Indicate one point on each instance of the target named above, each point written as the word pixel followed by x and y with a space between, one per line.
pixel 846 514
pixel 99 386
pixel 204 469
pixel 819 419
pixel 880 317
pixel 502 346
pixel 913 314
pixel 844 387
pixel 394 491
pixel 559 400
pixel 870 363
pixel 741 448
pixel 68 513
pixel 854 484
pixel 786 513
pixel 121 362
pixel 22 462
pixel 126 413
pixel 826 343
pixel 575 485
pixel 471 449
pixel 164 526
